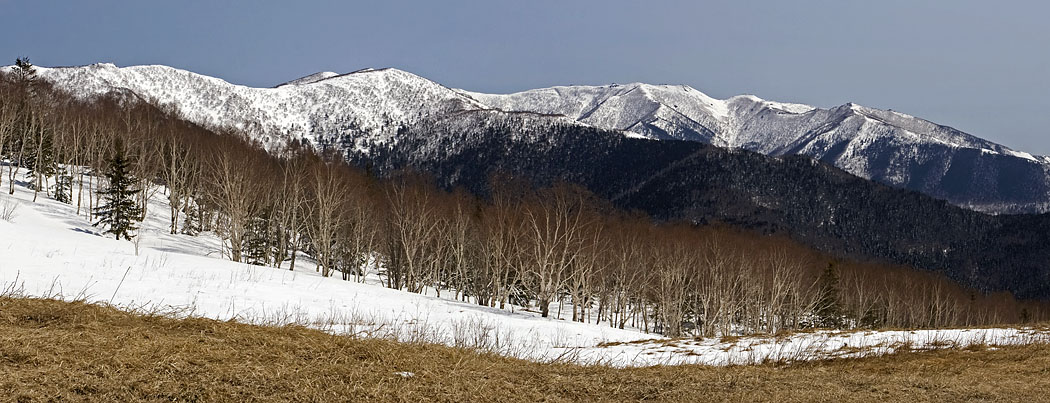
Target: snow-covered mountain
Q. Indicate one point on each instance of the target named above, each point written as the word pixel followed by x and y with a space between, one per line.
pixel 370 106
pixel 355 109
pixel 887 146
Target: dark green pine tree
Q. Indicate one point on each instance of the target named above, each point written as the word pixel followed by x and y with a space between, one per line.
pixel 191 225
pixel 257 245
pixel 120 211
pixel 40 155
pixel 828 311
pixel 63 186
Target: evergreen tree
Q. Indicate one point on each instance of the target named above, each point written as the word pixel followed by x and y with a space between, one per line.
pixel 24 66
pixel 874 317
pixel 191 224
pixel 25 86
pixel 258 247
pixel 120 211
pixel 37 150
pixel 829 313
pixel 40 155
pixel 24 75
pixel 63 186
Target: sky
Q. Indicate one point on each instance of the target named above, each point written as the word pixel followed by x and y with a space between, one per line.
pixel 981 67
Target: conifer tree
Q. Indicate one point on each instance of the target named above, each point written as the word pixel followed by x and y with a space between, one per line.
pixel 828 311
pixel 191 224
pixel 25 80
pixel 258 247
pixel 39 158
pixel 120 212
pixel 63 186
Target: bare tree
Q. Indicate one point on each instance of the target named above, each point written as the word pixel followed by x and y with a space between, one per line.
pixel 362 233
pixel 8 115
pixel 412 224
pixel 502 249
pixel 234 190
pixel 180 170
pixel 292 201
pixel 327 189
pixel 25 90
pixel 555 222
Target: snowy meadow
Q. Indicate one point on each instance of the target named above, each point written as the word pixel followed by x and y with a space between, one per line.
pixel 48 251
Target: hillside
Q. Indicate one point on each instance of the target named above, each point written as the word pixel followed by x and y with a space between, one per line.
pixel 351 112
pixel 825 208
pixel 885 146
pixel 51 252
pixel 812 202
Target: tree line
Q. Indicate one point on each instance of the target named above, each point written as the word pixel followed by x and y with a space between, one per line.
pixel 551 249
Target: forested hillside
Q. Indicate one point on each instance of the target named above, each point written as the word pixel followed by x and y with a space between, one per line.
pixel 528 242
pixel 812 202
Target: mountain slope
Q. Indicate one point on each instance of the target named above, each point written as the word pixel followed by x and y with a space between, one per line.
pixel 886 146
pixel 353 110
pixel 52 252
pixel 356 110
pixel 813 202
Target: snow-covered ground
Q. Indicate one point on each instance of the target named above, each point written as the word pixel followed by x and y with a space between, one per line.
pixel 803 346
pixel 47 250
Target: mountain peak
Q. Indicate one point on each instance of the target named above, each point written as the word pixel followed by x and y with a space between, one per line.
pixel 310 79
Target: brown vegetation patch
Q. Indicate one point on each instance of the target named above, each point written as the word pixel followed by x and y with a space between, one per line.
pixel 53 350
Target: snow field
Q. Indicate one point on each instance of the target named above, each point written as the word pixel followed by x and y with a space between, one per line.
pixel 47 250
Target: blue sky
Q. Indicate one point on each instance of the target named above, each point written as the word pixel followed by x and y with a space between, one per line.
pixel 982 67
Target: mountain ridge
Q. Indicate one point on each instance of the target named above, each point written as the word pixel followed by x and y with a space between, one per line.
pixel 369 106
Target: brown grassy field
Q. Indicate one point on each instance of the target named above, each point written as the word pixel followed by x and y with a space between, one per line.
pixel 73 352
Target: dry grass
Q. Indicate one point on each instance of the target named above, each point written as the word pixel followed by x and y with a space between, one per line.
pixel 8 209
pixel 73 351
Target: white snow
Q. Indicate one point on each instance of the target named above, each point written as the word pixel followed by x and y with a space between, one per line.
pixel 629 107
pixel 47 250
pixel 806 346
pixel 369 105
pixel 310 79
pixel 1022 154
